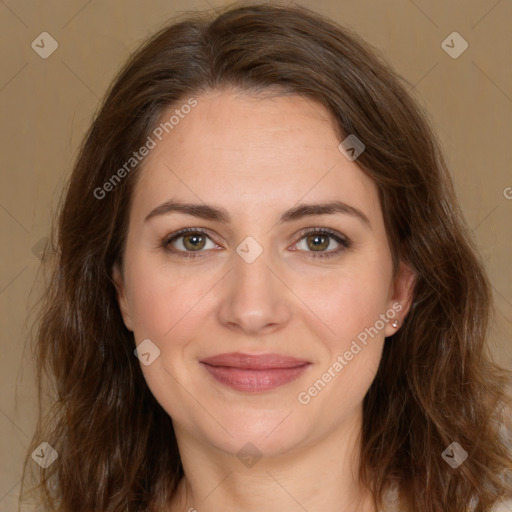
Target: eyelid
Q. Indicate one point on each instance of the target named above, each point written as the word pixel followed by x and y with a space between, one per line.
pixel 323 230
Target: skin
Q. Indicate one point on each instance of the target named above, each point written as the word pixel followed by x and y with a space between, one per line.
pixel 257 156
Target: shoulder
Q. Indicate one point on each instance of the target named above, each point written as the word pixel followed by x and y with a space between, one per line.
pixel 391 503
pixel 503 506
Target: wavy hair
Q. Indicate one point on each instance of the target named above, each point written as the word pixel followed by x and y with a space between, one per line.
pixel 437 382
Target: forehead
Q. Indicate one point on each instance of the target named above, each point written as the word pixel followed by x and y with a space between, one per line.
pixel 240 150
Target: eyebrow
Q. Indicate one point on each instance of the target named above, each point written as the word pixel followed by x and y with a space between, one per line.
pixel 218 214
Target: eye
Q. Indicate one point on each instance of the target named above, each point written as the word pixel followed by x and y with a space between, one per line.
pixel 191 240
pixel 318 240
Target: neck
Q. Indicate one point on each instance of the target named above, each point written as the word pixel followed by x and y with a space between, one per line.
pixel 319 476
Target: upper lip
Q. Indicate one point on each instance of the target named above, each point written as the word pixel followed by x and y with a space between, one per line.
pixel 254 361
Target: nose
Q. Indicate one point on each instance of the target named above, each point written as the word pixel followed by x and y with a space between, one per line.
pixel 255 298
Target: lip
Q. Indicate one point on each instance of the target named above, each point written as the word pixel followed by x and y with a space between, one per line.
pixel 254 361
pixel 254 373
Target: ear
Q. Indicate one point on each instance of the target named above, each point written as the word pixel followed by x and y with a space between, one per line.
pixel 402 290
pixel 122 298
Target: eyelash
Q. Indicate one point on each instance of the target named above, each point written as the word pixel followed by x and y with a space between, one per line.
pixel 343 241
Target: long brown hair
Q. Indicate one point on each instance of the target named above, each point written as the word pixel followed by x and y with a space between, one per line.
pixel 436 383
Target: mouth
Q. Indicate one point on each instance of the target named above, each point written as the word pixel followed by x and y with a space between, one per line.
pixel 254 373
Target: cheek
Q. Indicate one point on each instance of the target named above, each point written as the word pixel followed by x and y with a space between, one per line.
pixel 161 297
pixel 350 299
pixel 351 308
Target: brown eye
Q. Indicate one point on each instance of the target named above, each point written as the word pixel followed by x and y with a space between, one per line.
pixel 188 242
pixel 317 241
pixel 194 242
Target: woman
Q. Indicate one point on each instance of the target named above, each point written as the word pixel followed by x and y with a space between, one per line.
pixel 265 296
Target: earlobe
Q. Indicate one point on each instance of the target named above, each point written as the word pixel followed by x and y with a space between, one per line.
pixel 122 299
pixel 402 296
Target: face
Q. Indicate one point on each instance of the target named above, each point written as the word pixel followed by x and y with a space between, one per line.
pixel 310 291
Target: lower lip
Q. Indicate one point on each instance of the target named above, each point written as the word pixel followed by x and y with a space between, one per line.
pixel 255 380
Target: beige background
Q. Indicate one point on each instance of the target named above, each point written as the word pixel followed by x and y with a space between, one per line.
pixel 47 104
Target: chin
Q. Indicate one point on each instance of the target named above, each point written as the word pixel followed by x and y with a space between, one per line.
pixel 270 435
